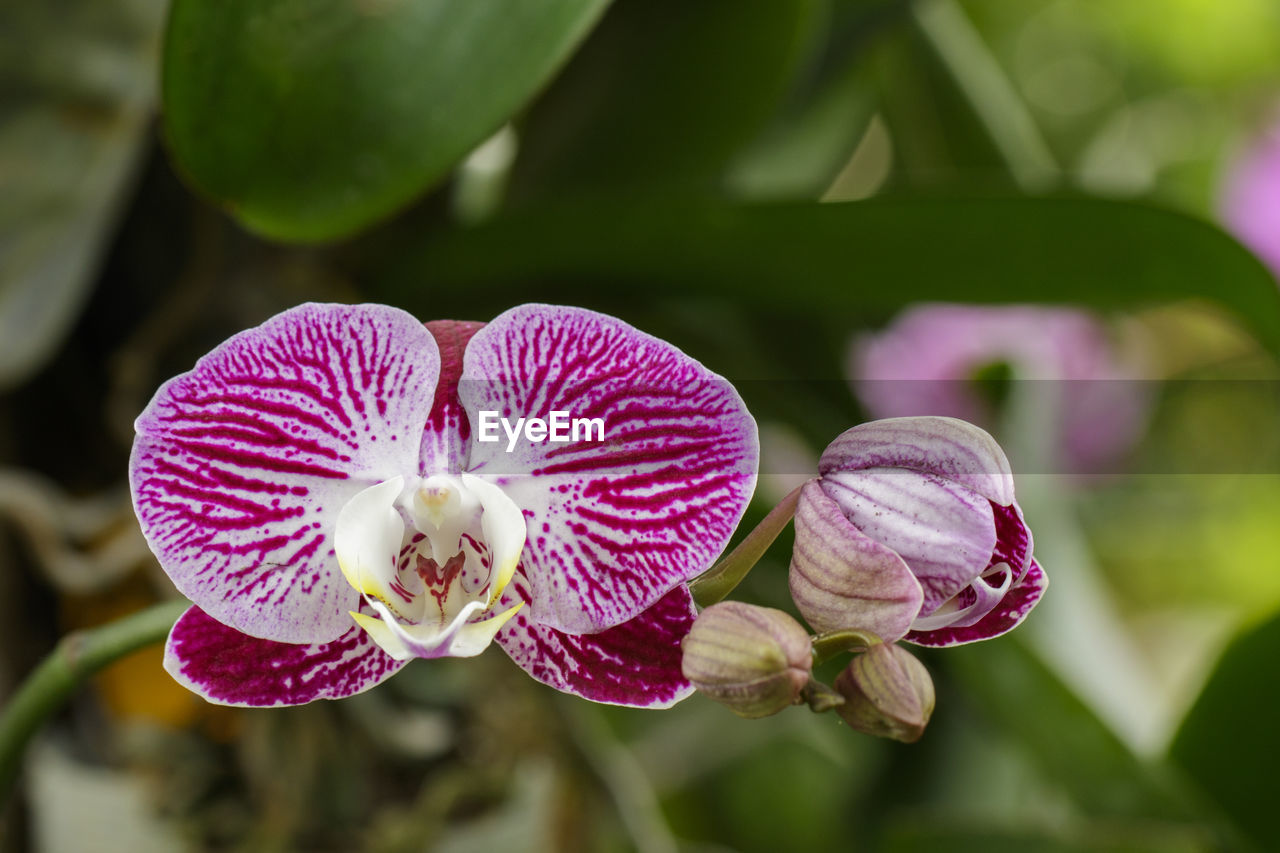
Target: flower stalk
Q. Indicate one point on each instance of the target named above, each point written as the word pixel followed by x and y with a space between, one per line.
pixel 831 643
pixel 77 656
pixel 820 697
pixel 717 582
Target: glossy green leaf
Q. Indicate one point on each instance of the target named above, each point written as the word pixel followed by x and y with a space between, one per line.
pixel 857 260
pixel 1229 741
pixel 664 94
pixel 310 119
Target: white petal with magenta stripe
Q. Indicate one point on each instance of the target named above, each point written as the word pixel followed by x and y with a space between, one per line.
pixel 945 447
pixel 613 524
pixel 944 531
pixel 636 663
pixel 241 466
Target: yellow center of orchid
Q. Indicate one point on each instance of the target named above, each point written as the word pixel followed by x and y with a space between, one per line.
pixel 431 557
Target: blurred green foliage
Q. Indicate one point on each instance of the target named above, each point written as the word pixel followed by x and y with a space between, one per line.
pixel 665 162
pixel 1228 741
pixel 656 104
pixel 78 94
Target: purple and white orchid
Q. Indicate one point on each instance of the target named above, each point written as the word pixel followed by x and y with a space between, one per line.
pixel 912 532
pixel 315 486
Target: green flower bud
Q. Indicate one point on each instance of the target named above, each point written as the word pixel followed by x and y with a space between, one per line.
pixel 754 660
pixel 887 693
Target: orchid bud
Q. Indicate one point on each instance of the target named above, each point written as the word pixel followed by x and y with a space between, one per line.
pixel 754 660
pixel 912 533
pixel 887 693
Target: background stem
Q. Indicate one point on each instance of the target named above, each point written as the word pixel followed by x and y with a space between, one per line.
pixel 77 656
pixel 994 99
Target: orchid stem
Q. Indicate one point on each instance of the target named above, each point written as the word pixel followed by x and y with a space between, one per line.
pixel 77 656
pixel 819 697
pixel 831 643
pixel 718 581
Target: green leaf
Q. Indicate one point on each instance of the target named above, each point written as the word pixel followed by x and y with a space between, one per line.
pixel 805 147
pixel 1229 741
pixel 859 260
pixel 664 94
pixel 310 119
pixel 1060 734
pixel 79 97
pixel 924 834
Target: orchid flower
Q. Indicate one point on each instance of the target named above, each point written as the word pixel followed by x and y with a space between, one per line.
pixel 317 487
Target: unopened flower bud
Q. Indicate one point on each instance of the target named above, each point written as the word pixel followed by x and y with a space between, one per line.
pixel 755 660
pixel 887 693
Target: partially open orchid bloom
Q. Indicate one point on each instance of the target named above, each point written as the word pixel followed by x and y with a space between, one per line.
pixel 912 532
pixel 931 359
pixel 341 489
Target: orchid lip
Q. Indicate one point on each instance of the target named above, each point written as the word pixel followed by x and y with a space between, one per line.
pixel 956 614
pixel 431 557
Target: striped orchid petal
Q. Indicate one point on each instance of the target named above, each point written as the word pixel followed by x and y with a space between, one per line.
pixel 241 466
pixel 945 447
pixel 944 531
pixel 614 524
pixel 228 667
pixel 636 663
pixel 842 578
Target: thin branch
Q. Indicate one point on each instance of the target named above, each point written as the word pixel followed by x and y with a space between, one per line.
pixel 831 643
pixel 1008 122
pixel 77 656
pixel 623 778
pixel 719 580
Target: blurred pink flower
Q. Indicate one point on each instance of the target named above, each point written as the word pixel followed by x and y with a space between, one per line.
pixel 930 359
pixel 1250 197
